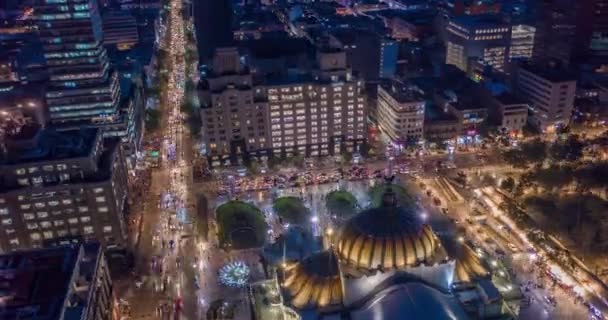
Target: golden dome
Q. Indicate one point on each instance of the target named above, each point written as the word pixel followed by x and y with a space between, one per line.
pixel 386 238
pixel 469 266
pixel 314 282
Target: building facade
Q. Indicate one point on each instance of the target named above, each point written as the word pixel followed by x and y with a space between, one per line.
pixel 234 112
pixel 82 86
pixel 400 112
pixel 319 113
pixel 522 42
pixel 68 282
pixel 507 111
pixel 61 184
pixel 485 39
pixel 550 91
pixel 120 30
pixel 555 25
pixel 83 90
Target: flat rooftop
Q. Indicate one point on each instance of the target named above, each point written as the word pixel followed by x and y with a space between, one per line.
pixel 479 21
pixel 402 92
pixel 551 72
pixel 35 283
pixel 433 113
pixel 507 98
pixel 50 145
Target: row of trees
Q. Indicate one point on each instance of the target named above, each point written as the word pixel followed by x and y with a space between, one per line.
pixel 537 151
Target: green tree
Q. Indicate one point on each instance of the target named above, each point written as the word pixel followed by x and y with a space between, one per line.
pixel 292 210
pixel 554 177
pixel 341 203
pixel 240 225
pixel 570 149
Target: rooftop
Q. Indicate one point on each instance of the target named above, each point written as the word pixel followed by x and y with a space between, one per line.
pixel 434 113
pixel 402 92
pixel 479 21
pixel 49 145
pixel 35 283
pixel 507 98
pixel 553 72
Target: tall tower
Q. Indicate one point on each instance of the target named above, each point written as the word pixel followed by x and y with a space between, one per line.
pixel 213 21
pixel 82 88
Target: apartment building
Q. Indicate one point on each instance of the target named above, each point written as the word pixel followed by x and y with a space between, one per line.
pixel 400 112
pixel 61 184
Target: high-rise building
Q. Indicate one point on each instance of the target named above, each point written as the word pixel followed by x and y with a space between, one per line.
pixel 61 184
pixel 213 23
pixel 400 112
pixel 66 282
pixel 82 88
pixel 120 29
pixel 318 112
pixel 550 90
pixel 522 42
pixel 485 39
pixel 555 30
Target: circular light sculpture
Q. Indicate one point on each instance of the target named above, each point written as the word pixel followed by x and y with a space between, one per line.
pixel 235 274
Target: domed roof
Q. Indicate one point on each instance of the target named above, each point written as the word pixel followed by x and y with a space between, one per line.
pixel 314 282
pixel 385 238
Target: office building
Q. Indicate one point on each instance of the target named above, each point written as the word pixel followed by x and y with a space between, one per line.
pixel 319 112
pixel 550 90
pixel 400 112
pixel 485 39
pixel 60 184
pixel 82 88
pixel 506 111
pixel 62 283
pixel 522 42
pixel 459 96
pixel 555 24
pixel 370 55
pixel 120 30
pixel 440 126
pixel 213 23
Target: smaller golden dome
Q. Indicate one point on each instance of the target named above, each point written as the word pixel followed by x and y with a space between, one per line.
pixel 314 282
